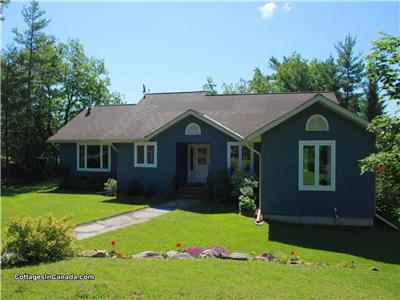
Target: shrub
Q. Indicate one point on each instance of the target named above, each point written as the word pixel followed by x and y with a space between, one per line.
pixel 135 188
pixel 150 191
pixel 240 180
pixel 246 203
pixel 41 239
pixel 110 186
pixel 223 187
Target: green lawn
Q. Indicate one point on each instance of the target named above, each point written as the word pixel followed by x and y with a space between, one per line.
pixel 212 224
pixel 42 199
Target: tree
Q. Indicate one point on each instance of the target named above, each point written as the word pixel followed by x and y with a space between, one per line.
pixel 3 6
pixel 83 80
pixel 241 87
pixel 261 83
pixel 384 62
pixel 350 74
pixel 292 74
pixel 210 87
pixel 374 105
pixel 323 75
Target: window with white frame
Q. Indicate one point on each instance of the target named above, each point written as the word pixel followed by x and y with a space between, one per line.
pixel 317 123
pixel 93 157
pixel 239 157
pixel 317 165
pixel 192 129
pixel 146 154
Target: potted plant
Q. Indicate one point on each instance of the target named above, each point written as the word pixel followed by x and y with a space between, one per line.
pixel 247 207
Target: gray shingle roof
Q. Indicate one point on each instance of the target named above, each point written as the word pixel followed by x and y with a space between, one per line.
pixel 242 113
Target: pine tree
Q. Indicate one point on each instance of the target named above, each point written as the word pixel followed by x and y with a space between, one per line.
pixel 374 105
pixel 350 74
pixel 210 87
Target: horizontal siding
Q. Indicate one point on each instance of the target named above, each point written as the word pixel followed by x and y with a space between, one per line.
pixel 354 195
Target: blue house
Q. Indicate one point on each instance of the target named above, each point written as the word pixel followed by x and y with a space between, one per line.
pixel 304 147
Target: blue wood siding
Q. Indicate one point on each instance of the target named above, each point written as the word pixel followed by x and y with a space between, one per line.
pixel 355 194
pixel 169 142
pixel 68 160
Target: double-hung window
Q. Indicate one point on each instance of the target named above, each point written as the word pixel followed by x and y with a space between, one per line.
pixel 146 154
pixel 239 157
pixel 317 165
pixel 93 157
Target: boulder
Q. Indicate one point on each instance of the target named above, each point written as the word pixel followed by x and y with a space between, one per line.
pixel 101 253
pixel 194 251
pixel 237 256
pixel 219 249
pixel 148 255
pixel 209 253
pixel 87 253
pixel 374 269
pixel 265 256
pixel 179 255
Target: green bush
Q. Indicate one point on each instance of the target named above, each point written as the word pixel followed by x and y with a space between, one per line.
pixel 150 191
pixel 246 203
pixel 245 181
pixel 41 239
pixel 223 188
pixel 94 182
pixel 135 188
pixel 110 186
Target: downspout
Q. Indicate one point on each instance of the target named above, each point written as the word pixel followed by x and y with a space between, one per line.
pixel 259 218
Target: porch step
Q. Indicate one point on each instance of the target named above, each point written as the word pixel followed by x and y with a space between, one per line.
pixel 192 192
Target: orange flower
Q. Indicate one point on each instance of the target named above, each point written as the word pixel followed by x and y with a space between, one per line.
pixel 178 245
pixel 292 253
pixel 113 243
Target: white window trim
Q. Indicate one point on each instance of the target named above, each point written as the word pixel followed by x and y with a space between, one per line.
pixel 319 116
pixel 190 125
pixel 317 187
pixel 145 164
pixel 86 169
pixel 240 145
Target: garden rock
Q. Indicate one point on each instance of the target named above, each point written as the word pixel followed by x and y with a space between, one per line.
pixel 237 256
pixel 374 269
pixel 265 256
pixel 147 255
pixel 209 253
pixel 101 253
pixel 219 249
pixel 179 255
pixel 89 253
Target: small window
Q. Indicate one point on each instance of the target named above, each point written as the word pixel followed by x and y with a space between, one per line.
pixel 317 165
pixel 193 129
pixel 93 157
pixel 317 123
pixel 145 155
pixel 239 157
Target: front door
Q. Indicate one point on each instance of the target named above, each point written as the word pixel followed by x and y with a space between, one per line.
pixel 198 162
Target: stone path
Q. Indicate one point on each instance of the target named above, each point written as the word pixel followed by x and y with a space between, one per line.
pixel 134 217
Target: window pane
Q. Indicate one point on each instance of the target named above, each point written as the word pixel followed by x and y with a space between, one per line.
pixel 140 154
pixel 234 158
pixel 105 157
pixel 150 154
pixel 202 156
pixel 308 165
pixel 325 165
pixel 81 156
pixel 246 158
pixel 93 156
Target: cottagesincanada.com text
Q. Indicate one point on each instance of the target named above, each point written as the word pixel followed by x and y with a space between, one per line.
pixel 39 277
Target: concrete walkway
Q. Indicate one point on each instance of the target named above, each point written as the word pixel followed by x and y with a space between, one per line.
pixel 134 217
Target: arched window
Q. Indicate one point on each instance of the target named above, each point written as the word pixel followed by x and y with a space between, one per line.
pixel 317 123
pixel 193 129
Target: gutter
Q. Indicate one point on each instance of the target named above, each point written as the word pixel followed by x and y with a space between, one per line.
pixel 259 218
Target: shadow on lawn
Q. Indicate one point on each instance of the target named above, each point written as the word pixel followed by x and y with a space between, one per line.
pixel 45 187
pixel 379 243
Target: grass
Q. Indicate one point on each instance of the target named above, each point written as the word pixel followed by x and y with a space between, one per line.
pixel 46 198
pixel 212 224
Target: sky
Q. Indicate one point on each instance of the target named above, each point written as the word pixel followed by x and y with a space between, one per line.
pixel 175 46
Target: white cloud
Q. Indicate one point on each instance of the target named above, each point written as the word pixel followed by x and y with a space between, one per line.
pixel 286 6
pixel 268 9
